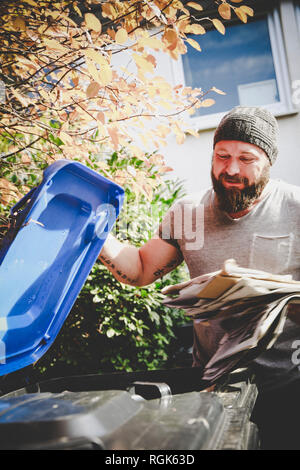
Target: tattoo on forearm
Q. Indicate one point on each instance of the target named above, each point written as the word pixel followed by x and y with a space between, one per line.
pixel 165 269
pixel 118 272
pixel 107 261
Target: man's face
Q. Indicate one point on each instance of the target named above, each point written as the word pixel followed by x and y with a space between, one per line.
pixel 240 171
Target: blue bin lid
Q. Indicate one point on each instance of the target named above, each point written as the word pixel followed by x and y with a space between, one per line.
pixel 43 270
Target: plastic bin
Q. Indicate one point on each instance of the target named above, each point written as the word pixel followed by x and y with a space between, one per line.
pixel 129 412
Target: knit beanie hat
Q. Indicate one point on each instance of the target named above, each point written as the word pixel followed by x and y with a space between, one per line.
pixel 253 125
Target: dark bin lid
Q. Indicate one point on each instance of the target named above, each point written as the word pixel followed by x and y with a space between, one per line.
pixel 68 218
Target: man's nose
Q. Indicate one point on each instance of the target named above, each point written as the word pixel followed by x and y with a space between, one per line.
pixel 232 167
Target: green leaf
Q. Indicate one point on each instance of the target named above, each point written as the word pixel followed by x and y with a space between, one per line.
pixel 110 333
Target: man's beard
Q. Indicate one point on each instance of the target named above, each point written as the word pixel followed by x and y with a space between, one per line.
pixel 236 200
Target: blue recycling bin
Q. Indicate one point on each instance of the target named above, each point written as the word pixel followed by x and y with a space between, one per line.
pixel 60 229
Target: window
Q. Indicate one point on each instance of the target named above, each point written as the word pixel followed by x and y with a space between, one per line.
pixel 241 64
pixel 248 64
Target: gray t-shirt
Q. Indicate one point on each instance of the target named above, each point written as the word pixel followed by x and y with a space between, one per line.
pixel 267 238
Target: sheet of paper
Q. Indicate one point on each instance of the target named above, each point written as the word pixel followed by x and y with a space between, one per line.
pixel 249 305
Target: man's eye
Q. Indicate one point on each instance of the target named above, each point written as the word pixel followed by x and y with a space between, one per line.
pixel 223 157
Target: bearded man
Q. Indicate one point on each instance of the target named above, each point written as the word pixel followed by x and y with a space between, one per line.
pixel 246 216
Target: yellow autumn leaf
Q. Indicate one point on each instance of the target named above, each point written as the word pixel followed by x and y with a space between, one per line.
pixel 67 18
pixel 177 4
pixel 108 10
pixel 53 44
pixel 165 168
pixel 4 184
pixel 180 138
pixel 93 89
pixel 75 79
pixel 31 2
pixel 101 117
pixel 92 69
pixel 43 28
pixel 194 29
pixel 154 43
pixel 121 36
pixel 192 132
pixel 170 36
pixel 241 15
pixel 92 22
pixel 166 105
pixel 208 102
pixel 224 11
pixel 195 5
pixel 105 75
pixel 180 7
pixel 182 23
pixel 194 44
pixel 163 131
pixel 8 192
pixel 96 56
pixel 26 159
pixel 26 63
pixel 142 63
pixel 216 90
pixel 151 59
pixel 219 25
pixel 19 23
pixel 249 11
pixel 113 134
pixel 77 9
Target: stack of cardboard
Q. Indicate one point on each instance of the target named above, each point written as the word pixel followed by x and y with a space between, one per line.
pixel 249 305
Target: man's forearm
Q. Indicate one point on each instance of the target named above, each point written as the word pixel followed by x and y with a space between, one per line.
pixel 122 260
